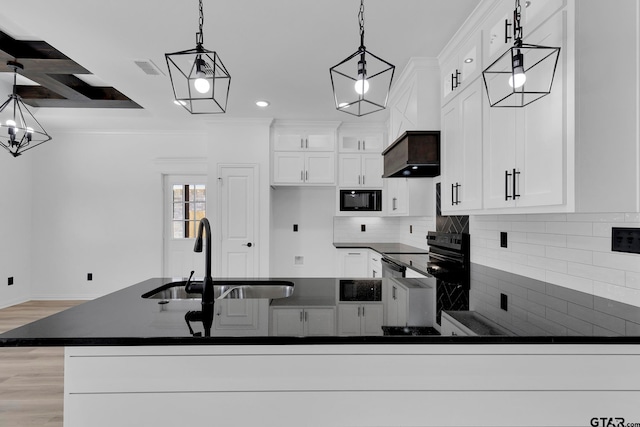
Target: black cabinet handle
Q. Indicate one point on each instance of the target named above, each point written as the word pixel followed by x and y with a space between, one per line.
pixel 506 31
pixel 453 200
pixel 516 184
pixel 506 185
pixel 457 193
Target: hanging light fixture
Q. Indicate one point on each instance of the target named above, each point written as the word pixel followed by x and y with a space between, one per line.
pixel 199 78
pixel 362 81
pixel 523 74
pixel 19 130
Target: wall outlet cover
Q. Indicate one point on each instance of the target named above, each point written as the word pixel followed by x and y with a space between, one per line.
pixel 503 302
pixel 89 276
pixel 10 281
pixel 295 227
pixel 625 240
pixel 363 228
pixel 503 239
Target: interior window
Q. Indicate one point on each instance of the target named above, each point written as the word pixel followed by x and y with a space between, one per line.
pixel 189 202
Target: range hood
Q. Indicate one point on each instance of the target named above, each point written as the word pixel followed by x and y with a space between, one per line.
pixel 416 154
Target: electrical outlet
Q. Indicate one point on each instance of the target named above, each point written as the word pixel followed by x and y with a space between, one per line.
pixel 503 302
pixel 411 229
pixel 625 240
pixel 89 276
pixel 363 227
pixel 10 281
pixel 503 239
pixel 295 228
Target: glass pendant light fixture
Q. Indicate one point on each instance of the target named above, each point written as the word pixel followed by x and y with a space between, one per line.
pixel 199 79
pixel 19 130
pixel 362 81
pixel 523 74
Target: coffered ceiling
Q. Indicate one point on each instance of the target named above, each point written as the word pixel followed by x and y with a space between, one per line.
pixel 110 54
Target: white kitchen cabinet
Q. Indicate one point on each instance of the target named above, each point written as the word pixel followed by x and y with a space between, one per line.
pixel 451 327
pixel 375 264
pixel 360 170
pixel 360 143
pixel 243 316
pixel 296 139
pixel 409 196
pixel 360 319
pixel 524 148
pixel 303 321
pixel 353 262
pixel 462 67
pixel 298 168
pixel 462 151
pixel 397 305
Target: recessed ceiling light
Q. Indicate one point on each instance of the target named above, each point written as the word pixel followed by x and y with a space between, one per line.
pixel 262 104
pixel 468 60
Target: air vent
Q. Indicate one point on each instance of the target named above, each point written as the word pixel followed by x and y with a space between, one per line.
pixel 149 67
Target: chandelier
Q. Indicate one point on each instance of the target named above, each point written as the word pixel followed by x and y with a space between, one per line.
pixel 361 82
pixel 19 130
pixel 199 79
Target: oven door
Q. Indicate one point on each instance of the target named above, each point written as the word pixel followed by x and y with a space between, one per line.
pixel 391 269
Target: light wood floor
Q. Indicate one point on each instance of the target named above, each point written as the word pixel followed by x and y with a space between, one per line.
pixel 31 379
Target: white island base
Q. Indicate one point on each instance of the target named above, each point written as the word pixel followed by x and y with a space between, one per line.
pixel 352 385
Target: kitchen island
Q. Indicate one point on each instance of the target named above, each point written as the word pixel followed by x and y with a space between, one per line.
pixel 133 361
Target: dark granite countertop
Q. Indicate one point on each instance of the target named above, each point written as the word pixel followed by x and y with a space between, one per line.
pixel 382 248
pixel 537 312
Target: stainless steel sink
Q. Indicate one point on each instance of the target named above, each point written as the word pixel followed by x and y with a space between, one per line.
pixel 241 289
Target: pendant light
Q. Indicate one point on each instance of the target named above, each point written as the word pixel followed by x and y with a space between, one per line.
pixel 199 79
pixel 362 81
pixel 524 73
pixel 19 130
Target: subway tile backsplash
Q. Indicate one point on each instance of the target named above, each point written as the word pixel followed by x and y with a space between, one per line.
pixel 570 250
pixel 383 230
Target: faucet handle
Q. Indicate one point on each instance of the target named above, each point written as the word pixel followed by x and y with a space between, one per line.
pixel 187 286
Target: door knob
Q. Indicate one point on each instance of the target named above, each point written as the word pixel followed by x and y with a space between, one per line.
pixel 247 244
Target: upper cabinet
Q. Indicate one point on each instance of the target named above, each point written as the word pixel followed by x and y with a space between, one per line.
pixel 462 68
pixel 573 150
pixel 361 143
pixel 304 154
pixel 359 159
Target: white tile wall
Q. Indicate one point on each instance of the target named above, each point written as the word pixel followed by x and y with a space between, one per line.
pixel 571 250
pixel 383 230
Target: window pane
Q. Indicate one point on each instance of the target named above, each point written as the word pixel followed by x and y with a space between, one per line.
pixel 178 211
pixel 178 229
pixel 200 210
pixel 192 193
pixel 178 193
pixel 192 229
pixel 200 193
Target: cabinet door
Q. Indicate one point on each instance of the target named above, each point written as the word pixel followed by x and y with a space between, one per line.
pixel 353 263
pixel 452 156
pixel 350 175
pixel 397 193
pixel 288 140
pixel 350 144
pixel 541 153
pixel 371 170
pixel 499 146
pixel 320 168
pixel 320 321
pixel 236 314
pixel 371 319
pixel 496 32
pixel 372 143
pixel 287 322
pixel 320 141
pixel 349 319
pixel 470 191
pixel 288 167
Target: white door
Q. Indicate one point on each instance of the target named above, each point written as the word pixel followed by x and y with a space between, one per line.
pixel 184 206
pixel 238 212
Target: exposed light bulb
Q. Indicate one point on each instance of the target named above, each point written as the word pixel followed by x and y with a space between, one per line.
pixel 362 85
pixel 201 84
pixel 518 77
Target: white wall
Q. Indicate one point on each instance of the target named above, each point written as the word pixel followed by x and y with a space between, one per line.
pixel 15 228
pixel 410 231
pixel 312 208
pixel 97 208
pixel 571 250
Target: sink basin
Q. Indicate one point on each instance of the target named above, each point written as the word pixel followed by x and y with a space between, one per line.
pixel 241 289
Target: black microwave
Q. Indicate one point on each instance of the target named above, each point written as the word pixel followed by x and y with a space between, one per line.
pixel 361 200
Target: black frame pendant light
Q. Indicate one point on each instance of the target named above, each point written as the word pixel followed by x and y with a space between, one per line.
pixel 361 82
pixel 524 73
pixel 199 79
pixel 19 129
